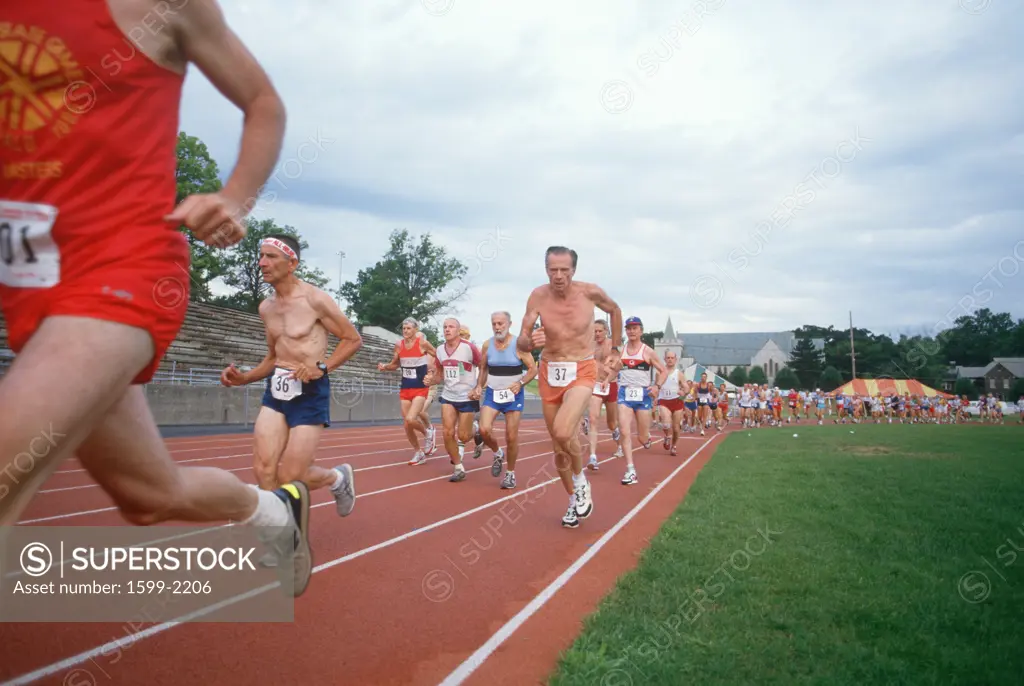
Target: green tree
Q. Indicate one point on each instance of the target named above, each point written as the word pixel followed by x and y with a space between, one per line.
pixel 806 362
pixel 787 378
pixel 651 337
pixel 1017 391
pixel 242 269
pixel 830 379
pixel 757 375
pixel 412 279
pixel 738 376
pixel 966 387
pixel 196 173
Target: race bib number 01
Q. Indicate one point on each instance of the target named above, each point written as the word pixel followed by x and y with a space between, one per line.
pixel 29 257
pixel 602 388
pixel 408 372
pixel 283 387
pixel 667 394
pixel 561 373
pixel 635 394
pixel 503 396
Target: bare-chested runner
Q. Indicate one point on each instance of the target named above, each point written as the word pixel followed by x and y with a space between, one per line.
pixel 297 401
pixel 606 393
pixel 567 371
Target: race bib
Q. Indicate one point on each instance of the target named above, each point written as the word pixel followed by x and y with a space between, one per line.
pixel 561 373
pixel 602 388
pixel 503 396
pixel 29 257
pixel 635 394
pixel 451 374
pixel 667 394
pixel 283 387
pixel 408 372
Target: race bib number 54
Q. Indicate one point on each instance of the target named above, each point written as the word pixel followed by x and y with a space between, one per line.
pixel 29 257
pixel 503 396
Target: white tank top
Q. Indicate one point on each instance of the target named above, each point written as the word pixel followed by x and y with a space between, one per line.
pixel 460 370
pixel 671 388
pixel 636 372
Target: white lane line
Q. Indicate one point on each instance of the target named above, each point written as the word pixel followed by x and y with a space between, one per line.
pixel 109 647
pixel 473 662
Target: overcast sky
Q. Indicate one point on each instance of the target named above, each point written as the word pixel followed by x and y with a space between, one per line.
pixel 739 165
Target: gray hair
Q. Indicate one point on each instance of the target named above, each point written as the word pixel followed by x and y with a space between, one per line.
pixel 507 315
pixel 412 322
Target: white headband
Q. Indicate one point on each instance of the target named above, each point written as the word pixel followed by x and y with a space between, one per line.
pixel 280 245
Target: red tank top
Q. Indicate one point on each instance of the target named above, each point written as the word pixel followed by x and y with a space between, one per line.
pixel 89 126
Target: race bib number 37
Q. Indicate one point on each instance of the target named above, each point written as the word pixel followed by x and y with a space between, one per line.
pixel 561 373
pixel 29 257
pixel 283 387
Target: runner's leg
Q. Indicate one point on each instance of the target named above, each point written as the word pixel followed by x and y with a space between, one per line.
pixel 270 436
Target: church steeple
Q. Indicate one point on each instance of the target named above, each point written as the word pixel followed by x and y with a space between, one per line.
pixel 669 334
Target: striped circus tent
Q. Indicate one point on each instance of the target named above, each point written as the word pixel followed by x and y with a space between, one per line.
pixel 888 387
pixel 693 372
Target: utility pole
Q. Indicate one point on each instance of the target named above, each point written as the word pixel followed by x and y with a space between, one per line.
pixel 853 355
pixel 341 259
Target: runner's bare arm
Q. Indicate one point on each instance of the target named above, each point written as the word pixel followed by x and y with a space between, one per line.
pixel 659 364
pixel 206 40
pixel 266 367
pixel 481 380
pixel 335 321
pixel 393 364
pixel 604 302
pixel 525 340
pixel 531 367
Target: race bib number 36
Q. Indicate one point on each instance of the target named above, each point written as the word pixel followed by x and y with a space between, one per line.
pixel 634 395
pixel 29 257
pixel 561 373
pixel 503 396
pixel 283 387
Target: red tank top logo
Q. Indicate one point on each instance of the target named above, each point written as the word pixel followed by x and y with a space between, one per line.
pixel 42 93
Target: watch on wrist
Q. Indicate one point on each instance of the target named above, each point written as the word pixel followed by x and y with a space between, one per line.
pixel 322 367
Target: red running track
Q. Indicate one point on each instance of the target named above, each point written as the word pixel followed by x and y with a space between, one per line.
pixel 427 582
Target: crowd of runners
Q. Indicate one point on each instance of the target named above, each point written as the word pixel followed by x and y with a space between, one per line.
pixel 91 240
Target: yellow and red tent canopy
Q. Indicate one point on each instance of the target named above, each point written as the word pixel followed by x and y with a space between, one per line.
pixel 873 387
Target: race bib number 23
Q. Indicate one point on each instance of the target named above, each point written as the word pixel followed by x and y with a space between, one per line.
pixel 29 257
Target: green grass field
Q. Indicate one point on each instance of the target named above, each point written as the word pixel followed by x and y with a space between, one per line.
pixel 849 555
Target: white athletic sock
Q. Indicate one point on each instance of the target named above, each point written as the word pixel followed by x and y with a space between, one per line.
pixel 578 479
pixel 459 467
pixel 270 510
pixel 338 481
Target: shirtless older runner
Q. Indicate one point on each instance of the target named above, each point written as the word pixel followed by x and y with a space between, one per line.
pixel 297 400
pixel 567 371
pixel 606 393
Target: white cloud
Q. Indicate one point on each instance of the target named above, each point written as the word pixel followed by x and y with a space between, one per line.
pixel 486 117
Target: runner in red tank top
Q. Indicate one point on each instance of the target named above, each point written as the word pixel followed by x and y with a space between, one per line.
pixel 93 271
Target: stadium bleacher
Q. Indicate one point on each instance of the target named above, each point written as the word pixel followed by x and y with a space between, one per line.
pixel 212 337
